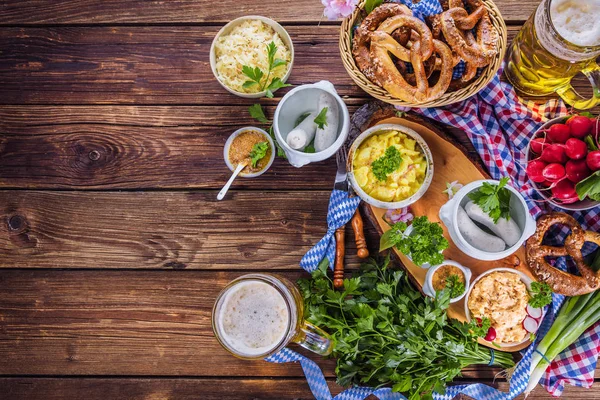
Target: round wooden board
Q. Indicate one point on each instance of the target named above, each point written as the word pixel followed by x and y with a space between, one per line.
pixel 451 163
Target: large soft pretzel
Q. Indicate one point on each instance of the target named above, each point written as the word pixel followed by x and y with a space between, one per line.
pixel 362 38
pixel 562 282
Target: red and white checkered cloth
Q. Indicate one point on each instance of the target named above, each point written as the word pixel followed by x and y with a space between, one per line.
pixel 500 126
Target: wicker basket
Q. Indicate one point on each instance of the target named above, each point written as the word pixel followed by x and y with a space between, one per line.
pixel 447 98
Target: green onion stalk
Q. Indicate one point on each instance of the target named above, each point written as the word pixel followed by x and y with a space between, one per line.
pixel 576 315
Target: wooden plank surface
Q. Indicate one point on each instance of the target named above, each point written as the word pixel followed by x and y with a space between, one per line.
pixel 149 65
pixel 164 230
pixel 192 389
pixel 89 12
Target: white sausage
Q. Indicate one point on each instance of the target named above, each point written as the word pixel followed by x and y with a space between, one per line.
pixel 326 136
pixel 507 229
pixel 303 134
pixel 476 236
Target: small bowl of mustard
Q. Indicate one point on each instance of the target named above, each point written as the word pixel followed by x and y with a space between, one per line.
pixel 438 275
pixel 239 148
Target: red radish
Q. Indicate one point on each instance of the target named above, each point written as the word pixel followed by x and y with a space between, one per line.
pixel 593 160
pixel 491 335
pixel 530 325
pixel 575 149
pixel 565 191
pixel 577 170
pixel 554 153
pixel 558 133
pixel 580 126
pixel 554 172
pixel 534 312
pixel 534 170
pixel 538 144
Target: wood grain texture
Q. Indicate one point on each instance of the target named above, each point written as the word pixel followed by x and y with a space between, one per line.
pixel 192 389
pixel 149 65
pixel 137 147
pixel 184 11
pixel 164 230
pixel 125 323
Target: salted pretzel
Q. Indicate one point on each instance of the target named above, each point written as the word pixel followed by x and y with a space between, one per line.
pixel 562 282
pixel 362 39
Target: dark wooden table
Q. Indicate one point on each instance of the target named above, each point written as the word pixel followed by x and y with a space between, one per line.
pixel 112 244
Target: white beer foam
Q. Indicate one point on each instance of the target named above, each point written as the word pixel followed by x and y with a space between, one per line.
pixel 253 318
pixel 577 21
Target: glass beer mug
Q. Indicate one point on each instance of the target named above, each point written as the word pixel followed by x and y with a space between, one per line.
pixel 256 315
pixel 561 39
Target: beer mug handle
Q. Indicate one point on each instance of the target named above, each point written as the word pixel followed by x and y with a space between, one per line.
pixel 571 97
pixel 314 339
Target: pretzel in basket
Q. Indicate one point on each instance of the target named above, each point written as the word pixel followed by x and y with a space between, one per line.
pixel 562 282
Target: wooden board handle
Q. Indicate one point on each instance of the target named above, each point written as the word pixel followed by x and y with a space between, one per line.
pixel 340 249
pixel 359 235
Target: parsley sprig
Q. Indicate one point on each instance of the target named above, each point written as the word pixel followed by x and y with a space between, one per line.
pixel 423 244
pixel 493 199
pixel 455 285
pixel 258 152
pixel 256 75
pixel 321 119
pixel 387 163
pixel 256 112
pixel 541 295
pixel 386 333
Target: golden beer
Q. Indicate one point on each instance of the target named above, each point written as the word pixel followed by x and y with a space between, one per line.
pixel 561 39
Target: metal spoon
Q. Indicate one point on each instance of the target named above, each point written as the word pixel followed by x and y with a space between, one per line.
pixel 223 191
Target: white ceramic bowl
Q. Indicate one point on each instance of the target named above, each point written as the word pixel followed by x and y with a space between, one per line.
pixel 524 278
pixel 285 37
pixel 236 134
pixel 428 285
pixel 391 204
pixel 576 206
pixel 519 212
pixel 297 101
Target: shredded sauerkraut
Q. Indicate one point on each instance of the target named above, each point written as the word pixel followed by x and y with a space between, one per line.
pixel 246 44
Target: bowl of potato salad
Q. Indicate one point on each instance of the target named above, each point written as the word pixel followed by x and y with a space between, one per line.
pixel 390 166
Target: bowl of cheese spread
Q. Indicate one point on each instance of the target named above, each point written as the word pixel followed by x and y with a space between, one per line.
pixel 243 45
pixel 501 295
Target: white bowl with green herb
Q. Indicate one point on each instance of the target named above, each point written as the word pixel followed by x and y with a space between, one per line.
pixel 458 289
pixel 252 56
pixel 504 209
pixel 256 154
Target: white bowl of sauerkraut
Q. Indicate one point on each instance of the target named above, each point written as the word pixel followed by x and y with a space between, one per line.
pixel 243 42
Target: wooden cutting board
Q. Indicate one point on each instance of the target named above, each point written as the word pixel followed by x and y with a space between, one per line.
pixel 451 163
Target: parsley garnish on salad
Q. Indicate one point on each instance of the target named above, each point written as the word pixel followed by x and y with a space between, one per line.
pixel 387 163
pixel 256 75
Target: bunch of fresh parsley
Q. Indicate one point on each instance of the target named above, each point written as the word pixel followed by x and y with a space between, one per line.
pixel 256 74
pixel 493 199
pixel 424 243
pixel 387 163
pixel 386 333
pixel 541 295
pixel 258 152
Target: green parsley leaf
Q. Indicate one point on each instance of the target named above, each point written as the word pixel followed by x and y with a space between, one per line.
pixel 387 163
pixel 278 62
pixel 274 85
pixel 589 187
pixel 321 119
pixel 370 5
pixel 271 50
pixel 455 285
pixel 493 199
pixel 255 74
pixel 541 295
pixel 480 328
pixel 258 114
pixel 310 148
pixel 258 152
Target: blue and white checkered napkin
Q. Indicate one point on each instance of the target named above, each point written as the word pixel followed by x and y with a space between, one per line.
pixel 341 208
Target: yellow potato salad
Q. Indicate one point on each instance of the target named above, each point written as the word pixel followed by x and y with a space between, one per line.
pixel 399 184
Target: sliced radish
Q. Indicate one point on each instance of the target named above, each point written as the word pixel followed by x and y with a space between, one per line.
pixel 530 325
pixel 533 312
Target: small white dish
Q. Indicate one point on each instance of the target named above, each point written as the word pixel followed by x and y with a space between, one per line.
pixel 519 212
pixel 393 204
pixel 524 278
pixel 285 37
pixel 428 285
pixel 236 134
pixel 298 100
